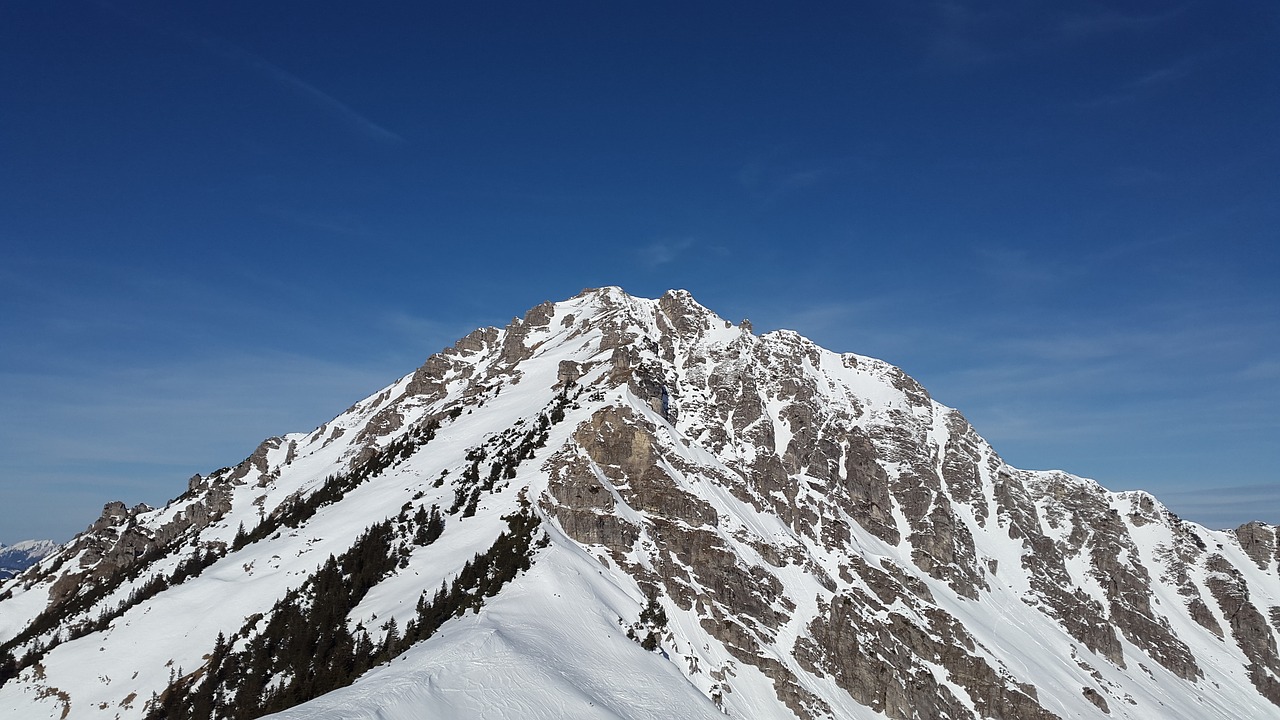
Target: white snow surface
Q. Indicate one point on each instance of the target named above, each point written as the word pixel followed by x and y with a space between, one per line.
pixel 550 646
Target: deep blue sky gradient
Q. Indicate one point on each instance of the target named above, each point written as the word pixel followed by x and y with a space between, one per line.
pixel 225 221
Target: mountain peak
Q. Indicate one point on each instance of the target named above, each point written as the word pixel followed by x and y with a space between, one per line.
pixel 21 555
pixel 612 488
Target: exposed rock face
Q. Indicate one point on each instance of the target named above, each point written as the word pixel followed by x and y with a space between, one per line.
pixel 1096 529
pixel 430 381
pixel 824 464
pixel 1258 540
pixel 122 537
pixel 1252 633
pixel 1097 699
pixel 619 459
pixel 826 539
pixel 885 664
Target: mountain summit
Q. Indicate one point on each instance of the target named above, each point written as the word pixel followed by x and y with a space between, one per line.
pixel 620 507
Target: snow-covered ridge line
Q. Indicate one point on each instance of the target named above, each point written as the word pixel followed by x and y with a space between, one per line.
pixel 21 555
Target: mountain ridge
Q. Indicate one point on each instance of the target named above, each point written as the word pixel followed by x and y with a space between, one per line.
pixel 821 537
pixel 23 554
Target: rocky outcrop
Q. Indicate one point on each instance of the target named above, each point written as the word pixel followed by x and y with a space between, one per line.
pixel 1098 531
pixel 121 537
pixel 584 507
pixel 742 606
pixel 1248 626
pixel 430 382
pixel 1097 699
pixel 1258 540
pixel 831 470
pixel 1053 589
pixel 960 466
pixel 882 657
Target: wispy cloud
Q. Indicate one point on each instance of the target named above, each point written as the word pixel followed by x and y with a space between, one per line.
pixel 317 97
pixel 869 325
pixel 801 179
pixel 663 252
pixel 963 36
pixel 270 391
pixel 314 221
pixel 1262 370
pixel 408 325
pixel 1166 74
pixel 775 176
pixel 1147 84
pixel 1224 507
pixel 416 337
pixel 1131 176
pixel 1108 21
pixel 264 68
pixel 1017 265
pixel 89 434
pixel 955 42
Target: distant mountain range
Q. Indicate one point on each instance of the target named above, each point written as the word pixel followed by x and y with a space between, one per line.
pixel 620 507
pixel 20 556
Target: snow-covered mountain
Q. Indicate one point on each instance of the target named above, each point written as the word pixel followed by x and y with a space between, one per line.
pixel 21 555
pixel 619 507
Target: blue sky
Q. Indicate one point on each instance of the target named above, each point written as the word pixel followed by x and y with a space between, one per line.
pixel 225 221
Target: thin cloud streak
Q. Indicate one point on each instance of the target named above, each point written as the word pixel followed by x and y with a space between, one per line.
pixel 313 221
pixel 1221 507
pixel 266 69
pixel 1108 22
pixel 775 176
pixel 1167 74
pixel 272 392
pixel 663 252
pixel 318 97
pixel 1146 85
pixel 89 435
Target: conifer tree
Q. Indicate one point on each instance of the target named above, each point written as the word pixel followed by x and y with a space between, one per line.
pixel 8 667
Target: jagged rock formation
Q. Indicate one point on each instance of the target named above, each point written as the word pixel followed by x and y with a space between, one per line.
pixel 755 525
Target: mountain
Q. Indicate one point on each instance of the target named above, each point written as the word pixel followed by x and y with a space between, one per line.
pixel 20 556
pixel 620 507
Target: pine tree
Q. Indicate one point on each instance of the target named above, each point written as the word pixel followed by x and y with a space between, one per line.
pixel 390 643
pixel 8 667
pixel 435 525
